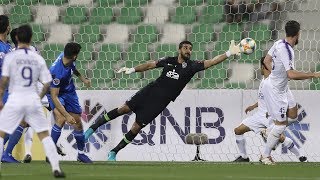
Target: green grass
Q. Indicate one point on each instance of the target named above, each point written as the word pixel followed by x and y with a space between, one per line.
pixel 164 170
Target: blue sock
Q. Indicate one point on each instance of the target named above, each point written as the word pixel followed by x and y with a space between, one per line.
pixel 79 136
pixel 55 133
pixel 14 139
pixel 5 139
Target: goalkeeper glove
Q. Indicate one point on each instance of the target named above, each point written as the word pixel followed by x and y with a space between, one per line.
pixel 126 70
pixel 233 49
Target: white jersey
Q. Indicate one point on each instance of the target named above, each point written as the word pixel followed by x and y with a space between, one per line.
pixel 262 108
pixel 32 48
pixel 282 61
pixel 25 68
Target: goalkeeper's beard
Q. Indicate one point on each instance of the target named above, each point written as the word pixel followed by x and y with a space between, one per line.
pixel 186 58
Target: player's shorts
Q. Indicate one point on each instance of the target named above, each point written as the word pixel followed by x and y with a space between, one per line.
pixel 291 101
pixel 257 122
pixel 15 111
pixel 69 101
pixel 276 101
pixel 147 105
pixel 5 96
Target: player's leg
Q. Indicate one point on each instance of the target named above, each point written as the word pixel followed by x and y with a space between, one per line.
pixel 288 143
pixel 28 137
pixel 241 142
pixel 13 141
pixel 56 128
pixel 128 137
pixel 106 118
pixel 292 112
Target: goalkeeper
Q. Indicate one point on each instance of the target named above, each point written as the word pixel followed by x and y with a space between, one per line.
pixel 151 100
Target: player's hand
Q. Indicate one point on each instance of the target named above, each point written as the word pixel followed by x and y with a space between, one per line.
pixel 87 82
pixel 234 49
pixel 126 70
pixel 317 75
pixel 71 120
pixel 248 109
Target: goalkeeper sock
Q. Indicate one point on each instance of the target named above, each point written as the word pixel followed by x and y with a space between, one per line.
pixel 55 133
pixel 125 141
pixel 288 143
pixel 5 139
pixel 14 139
pixel 241 143
pixel 51 153
pixel 105 118
pixel 273 139
pixel 28 140
pixel 79 136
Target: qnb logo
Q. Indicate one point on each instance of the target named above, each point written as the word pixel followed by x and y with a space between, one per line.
pixel 294 131
pixel 172 74
pixel 90 116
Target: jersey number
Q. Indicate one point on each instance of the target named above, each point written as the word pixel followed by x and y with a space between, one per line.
pixel 27 75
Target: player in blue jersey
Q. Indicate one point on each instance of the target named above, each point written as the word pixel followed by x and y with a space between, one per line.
pixel 5 47
pixel 63 98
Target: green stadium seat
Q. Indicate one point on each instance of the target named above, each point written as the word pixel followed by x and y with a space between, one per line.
pixel 231 32
pixel 220 48
pixel 236 85
pixel 38 33
pixel 107 3
pixel 101 15
pixel 75 15
pixel 216 2
pixel 50 52
pixel 184 15
pixel 5 2
pixel 130 15
pixel 198 51
pixel 165 50
pixel 315 83
pixel 20 14
pixel 145 34
pixel 88 34
pixel 109 52
pixel 212 14
pixel 84 56
pixel 190 2
pixel 54 2
pixel 104 70
pixel 207 84
pixel 135 3
pixel 27 2
pixel 252 58
pixel 260 32
pixel 136 54
pixel 201 33
pixel 216 74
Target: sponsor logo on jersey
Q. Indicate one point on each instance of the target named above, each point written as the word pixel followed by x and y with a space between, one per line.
pixel 184 65
pixel 56 81
pixel 172 74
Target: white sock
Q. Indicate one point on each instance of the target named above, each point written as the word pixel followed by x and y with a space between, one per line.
pixel 241 142
pixel 273 139
pixel 288 143
pixel 1 149
pixel 51 153
pixel 28 140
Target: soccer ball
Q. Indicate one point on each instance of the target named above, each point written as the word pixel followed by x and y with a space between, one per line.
pixel 247 45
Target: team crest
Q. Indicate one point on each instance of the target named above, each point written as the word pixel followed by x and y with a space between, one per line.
pixel 184 65
pixel 56 81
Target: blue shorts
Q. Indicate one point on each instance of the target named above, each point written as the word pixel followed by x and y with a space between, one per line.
pixel 69 101
pixel 5 96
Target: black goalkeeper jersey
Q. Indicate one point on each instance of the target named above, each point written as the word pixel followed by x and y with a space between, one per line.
pixel 174 77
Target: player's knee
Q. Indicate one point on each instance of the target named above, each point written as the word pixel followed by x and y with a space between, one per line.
pixel 238 131
pixel 282 138
pixel 24 124
pixel 292 115
pixel 60 121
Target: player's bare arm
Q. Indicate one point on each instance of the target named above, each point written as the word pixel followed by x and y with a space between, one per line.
pixel 86 81
pixel 297 75
pixel 233 50
pixel 252 107
pixel 3 84
pixel 54 95
pixel 268 62
pixel 44 90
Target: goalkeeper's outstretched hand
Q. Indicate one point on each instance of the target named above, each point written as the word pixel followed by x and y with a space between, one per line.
pixel 126 70
pixel 234 49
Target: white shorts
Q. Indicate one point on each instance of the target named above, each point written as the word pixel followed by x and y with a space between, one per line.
pixel 276 101
pixel 257 122
pixel 12 114
pixel 291 101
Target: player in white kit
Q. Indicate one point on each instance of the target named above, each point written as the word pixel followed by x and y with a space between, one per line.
pixel 22 69
pixel 275 87
pixel 258 122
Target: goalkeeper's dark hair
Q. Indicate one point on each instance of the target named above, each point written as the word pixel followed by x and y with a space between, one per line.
pixel 24 34
pixel 292 28
pixel 71 49
pixel 184 42
pixel 13 34
pixel 4 23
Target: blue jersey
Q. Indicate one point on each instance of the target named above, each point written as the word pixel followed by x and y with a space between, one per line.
pixel 5 47
pixel 62 76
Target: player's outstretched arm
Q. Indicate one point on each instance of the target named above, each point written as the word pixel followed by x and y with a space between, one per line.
pixel 233 50
pixel 140 68
pixel 86 81
pixel 252 107
pixel 44 90
pixel 297 75
pixel 3 84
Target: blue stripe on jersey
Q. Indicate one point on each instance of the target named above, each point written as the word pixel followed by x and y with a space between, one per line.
pixel 288 49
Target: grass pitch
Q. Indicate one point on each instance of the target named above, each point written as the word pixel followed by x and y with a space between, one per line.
pixel 164 170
